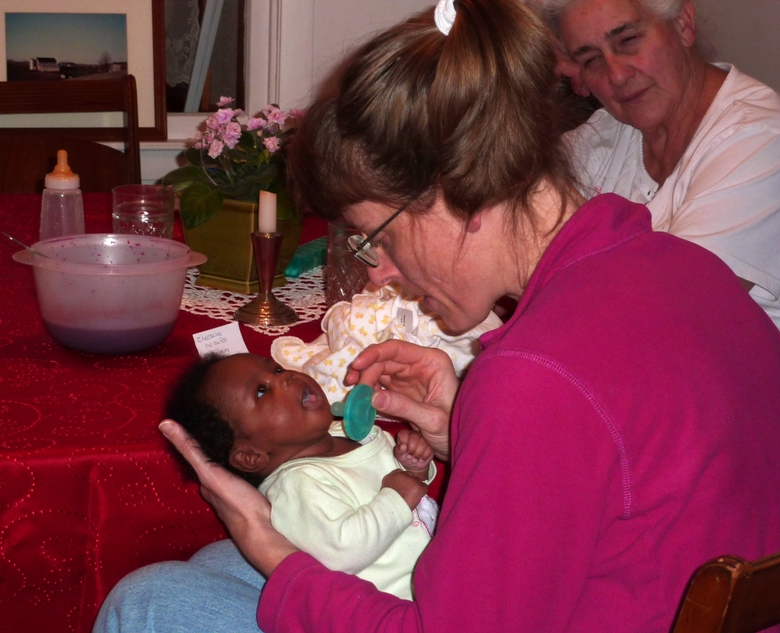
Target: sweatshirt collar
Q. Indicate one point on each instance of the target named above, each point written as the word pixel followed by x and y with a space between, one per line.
pixel 599 225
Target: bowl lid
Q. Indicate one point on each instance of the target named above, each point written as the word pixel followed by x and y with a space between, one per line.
pixel 111 254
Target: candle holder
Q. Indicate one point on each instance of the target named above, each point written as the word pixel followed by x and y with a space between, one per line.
pixel 265 308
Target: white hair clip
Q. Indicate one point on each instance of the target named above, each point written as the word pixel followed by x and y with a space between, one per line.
pixel 444 15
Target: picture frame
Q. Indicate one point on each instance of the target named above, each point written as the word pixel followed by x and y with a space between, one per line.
pixel 145 49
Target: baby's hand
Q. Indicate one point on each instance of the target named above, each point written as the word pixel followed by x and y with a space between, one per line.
pixel 407 485
pixel 413 452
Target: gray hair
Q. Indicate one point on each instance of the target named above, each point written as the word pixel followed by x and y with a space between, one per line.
pixel 552 10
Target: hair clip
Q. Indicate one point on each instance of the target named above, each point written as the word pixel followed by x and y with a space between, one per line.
pixel 444 15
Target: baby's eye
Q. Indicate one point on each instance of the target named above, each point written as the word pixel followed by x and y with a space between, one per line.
pixel 261 390
pixel 279 370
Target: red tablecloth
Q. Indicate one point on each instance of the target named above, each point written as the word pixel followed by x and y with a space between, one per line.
pixel 88 488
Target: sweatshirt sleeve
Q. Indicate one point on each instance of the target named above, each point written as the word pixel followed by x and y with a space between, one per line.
pixel 535 472
pixel 319 518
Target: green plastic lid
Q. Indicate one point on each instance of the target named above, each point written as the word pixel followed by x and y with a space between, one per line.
pixel 307 257
pixel 358 413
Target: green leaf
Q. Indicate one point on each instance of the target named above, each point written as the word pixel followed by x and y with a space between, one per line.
pixel 198 203
pixel 263 174
pixel 285 209
pixel 183 177
pixel 247 140
pixel 241 190
pixel 193 156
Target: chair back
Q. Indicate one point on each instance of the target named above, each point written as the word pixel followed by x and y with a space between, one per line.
pixel 732 595
pixel 28 154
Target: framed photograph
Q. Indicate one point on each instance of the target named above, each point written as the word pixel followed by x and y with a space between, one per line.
pixel 50 40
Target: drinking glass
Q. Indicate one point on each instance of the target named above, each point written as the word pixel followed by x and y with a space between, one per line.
pixel 143 210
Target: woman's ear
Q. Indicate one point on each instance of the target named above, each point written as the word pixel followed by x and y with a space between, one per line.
pixel 248 460
pixel 686 24
pixel 474 223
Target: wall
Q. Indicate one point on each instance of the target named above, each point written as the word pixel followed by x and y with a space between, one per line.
pixel 341 24
pixel 745 33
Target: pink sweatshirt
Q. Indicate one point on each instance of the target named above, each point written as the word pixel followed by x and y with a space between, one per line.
pixel 620 430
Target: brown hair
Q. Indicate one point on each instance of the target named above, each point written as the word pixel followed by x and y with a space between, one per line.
pixel 473 115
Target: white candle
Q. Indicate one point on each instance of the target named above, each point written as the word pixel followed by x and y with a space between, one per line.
pixel 266 221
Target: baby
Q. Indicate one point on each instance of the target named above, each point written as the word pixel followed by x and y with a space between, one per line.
pixel 345 503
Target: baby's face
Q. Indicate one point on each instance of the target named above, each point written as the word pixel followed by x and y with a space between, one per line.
pixel 280 413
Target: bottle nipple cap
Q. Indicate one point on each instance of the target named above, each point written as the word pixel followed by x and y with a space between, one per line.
pixel 358 413
pixel 62 177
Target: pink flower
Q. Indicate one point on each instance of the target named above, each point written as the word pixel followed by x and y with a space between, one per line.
pixel 223 116
pixel 271 143
pixel 255 123
pixel 223 101
pixel 296 113
pixel 215 149
pixel 232 134
pixel 274 115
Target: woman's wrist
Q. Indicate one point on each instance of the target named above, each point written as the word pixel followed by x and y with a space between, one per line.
pixel 266 553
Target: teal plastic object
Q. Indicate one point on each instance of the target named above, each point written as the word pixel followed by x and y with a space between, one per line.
pixel 307 257
pixel 357 412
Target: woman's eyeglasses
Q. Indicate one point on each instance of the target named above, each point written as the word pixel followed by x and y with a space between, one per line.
pixel 361 247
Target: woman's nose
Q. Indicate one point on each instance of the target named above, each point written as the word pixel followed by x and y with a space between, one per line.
pixel 385 273
pixel 618 72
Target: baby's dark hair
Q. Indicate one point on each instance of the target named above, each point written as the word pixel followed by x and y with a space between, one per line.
pixel 201 419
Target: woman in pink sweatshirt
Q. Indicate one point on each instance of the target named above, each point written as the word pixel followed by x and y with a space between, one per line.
pixel 618 431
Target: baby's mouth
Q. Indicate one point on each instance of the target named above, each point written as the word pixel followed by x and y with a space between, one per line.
pixel 309 399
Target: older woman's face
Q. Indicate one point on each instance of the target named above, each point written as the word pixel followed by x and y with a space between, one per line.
pixel 631 61
pixel 433 256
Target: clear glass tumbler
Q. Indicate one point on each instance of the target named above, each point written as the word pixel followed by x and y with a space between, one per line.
pixel 345 275
pixel 143 210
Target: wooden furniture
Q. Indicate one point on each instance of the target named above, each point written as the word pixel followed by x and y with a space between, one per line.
pixel 732 595
pixel 30 153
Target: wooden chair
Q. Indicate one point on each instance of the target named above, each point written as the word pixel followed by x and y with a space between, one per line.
pixel 28 154
pixel 732 595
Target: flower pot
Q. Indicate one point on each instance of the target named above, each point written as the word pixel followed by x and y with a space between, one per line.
pixel 225 240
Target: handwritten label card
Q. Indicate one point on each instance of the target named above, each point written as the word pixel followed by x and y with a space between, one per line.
pixel 225 340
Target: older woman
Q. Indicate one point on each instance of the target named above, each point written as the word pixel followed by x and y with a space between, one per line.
pixel 619 430
pixel 698 143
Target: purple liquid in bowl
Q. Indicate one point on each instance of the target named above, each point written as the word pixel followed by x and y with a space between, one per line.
pixel 109 341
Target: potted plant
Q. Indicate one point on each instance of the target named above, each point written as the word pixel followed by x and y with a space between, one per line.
pixel 228 164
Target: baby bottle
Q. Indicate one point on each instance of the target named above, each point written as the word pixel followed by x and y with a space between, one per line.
pixel 62 210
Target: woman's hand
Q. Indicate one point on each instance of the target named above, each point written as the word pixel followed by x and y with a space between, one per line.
pixel 420 386
pixel 566 67
pixel 245 512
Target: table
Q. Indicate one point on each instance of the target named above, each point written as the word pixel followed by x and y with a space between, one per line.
pixel 89 489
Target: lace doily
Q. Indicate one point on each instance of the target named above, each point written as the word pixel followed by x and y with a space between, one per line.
pixel 305 295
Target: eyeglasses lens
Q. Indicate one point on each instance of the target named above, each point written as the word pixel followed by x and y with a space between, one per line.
pixel 362 249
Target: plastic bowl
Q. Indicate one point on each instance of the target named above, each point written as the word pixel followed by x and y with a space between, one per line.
pixel 107 293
